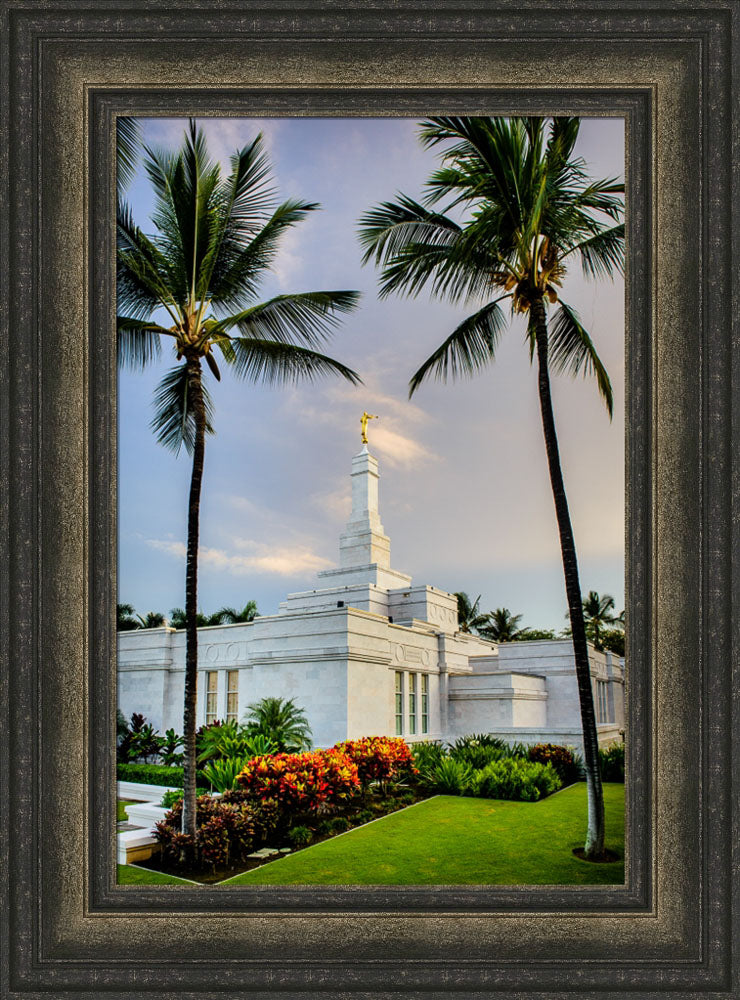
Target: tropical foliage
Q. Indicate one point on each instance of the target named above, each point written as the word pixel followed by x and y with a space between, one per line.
pixel 233 616
pixel 223 740
pixel 125 620
pixel 469 618
pixel 379 758
pixel 193 286
pixel 301 783
pixel 599 616
pixel 500 626
pixel 281 722
pixel 505 215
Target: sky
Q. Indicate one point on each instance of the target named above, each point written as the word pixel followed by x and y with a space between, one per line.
pixel 464 489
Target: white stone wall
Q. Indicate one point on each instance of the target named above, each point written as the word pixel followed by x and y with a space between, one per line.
pixel 339 664
pixel 484 701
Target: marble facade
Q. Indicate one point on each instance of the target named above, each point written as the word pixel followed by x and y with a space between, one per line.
pixel 368 653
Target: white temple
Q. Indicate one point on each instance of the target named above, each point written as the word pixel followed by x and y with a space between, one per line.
pixel 368 653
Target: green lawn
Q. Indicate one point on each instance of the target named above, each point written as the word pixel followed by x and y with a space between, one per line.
pixel 449 840
pixel 121 803
pixel 128 875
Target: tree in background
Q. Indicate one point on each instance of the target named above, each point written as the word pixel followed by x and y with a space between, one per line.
pixel 598 614
pixel 469 618
pixel 125 621
pixel 501 626
pixel 528 210
pixel 152 619
pixel 232 616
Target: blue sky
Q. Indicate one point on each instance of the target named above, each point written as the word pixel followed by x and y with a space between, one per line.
pixel 464 490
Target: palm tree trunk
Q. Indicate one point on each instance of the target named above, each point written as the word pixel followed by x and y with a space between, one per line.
pixel 594 846
pixel 191 599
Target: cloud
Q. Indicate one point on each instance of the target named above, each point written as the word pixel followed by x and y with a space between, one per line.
pixel 389 435
pixel 337 503
pixel 297 560
pixel 398 449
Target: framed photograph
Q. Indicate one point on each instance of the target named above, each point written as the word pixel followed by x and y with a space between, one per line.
pixel 71 75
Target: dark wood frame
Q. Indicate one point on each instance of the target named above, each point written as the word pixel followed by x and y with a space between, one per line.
pixel 67 70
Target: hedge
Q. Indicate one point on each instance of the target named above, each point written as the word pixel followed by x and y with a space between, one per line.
pixel 155 774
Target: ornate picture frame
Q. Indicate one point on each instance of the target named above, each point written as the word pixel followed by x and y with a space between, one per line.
pixel 67 71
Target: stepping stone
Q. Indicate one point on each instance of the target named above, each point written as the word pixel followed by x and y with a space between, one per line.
pixel 264 852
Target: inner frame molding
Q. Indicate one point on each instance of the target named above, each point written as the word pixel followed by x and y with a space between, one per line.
pixel 68 72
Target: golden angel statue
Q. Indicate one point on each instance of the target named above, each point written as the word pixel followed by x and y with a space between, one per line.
pixel 363 424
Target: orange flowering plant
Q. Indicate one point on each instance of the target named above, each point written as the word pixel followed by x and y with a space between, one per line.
pixel 301 782
pixel 379 758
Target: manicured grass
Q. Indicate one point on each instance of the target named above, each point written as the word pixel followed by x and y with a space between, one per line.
pixel 449 840
pixel 128 875
pixel 121 814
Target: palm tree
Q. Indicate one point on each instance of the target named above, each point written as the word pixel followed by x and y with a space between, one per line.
pixel 152 619
pixel 128 145
pixel 529 210
pixel 231 616
pixel 125 621
pixel 598 614
pixel 193 285
pixel 469 618
pixel 281 722
pixel 501 626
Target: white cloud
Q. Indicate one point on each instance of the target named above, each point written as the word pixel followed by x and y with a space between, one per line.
pixel 297 560
pixel 398 449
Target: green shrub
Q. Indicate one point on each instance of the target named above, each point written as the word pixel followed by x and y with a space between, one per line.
pixel 426 755
pixel 611 762
pixel 300 836
pixel 448 777
pixel 154 774
pixel 227 740
pixel 516 779
pixel 222 772
pixel 364 816
pixel 170 752
pixel 338 824
pixel 172 796
pixel 477 740
pixel 478 755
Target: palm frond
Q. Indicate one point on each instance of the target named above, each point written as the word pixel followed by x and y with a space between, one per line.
pixel 174 418
pixel 144 275
pixel 138 341
pixel 573 351
pixel 238 268
pixel 186 210
pixel 128 144
pixel 469 348
pixel 308 317
pixel 271 362
pixel 241 205
pixel 387 230
pixel 601 254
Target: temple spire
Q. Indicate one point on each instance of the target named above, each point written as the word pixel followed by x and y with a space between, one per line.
pixel 364 541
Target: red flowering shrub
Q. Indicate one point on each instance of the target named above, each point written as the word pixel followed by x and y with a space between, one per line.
pixel 301 782
pixel 379 758
pixel 561 759
pixel 226 831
